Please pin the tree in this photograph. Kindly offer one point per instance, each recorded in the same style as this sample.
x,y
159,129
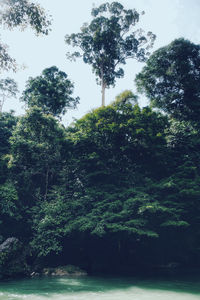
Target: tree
x,y
6,61
20,13
171,79
7,124
36,154
51,91
108,41
126,97
8,89
114,150
24,13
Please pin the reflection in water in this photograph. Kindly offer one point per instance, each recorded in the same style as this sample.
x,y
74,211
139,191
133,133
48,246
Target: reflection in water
x,y
96,288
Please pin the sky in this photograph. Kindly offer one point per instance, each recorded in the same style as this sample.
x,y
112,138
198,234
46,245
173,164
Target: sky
x,y
168,19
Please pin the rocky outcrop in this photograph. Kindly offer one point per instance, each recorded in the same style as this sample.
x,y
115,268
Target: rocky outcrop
x,y
68,270
12,258
9,245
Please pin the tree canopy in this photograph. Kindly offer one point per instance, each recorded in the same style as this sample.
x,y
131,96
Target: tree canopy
x,y
24,13
52,91
121,178
109,40
20,13
117,190
35,152
171,79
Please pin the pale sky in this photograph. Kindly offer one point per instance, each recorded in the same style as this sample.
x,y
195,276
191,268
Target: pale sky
x,y
168,19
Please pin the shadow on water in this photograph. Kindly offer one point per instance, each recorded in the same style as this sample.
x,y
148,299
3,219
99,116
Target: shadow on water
x,y
62,285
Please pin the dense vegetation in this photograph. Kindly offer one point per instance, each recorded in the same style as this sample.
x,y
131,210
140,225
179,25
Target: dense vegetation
x,y
117,190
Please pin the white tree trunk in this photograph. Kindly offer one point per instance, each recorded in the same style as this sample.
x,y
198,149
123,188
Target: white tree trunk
x,y
103,88
2,103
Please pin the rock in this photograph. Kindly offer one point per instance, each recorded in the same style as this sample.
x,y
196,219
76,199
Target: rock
x,y
12,258
34,274
68,270
9,244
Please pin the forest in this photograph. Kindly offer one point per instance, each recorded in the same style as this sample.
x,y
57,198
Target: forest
x,y
118,190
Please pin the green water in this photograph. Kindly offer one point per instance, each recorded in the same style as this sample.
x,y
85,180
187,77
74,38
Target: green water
x,y
96,288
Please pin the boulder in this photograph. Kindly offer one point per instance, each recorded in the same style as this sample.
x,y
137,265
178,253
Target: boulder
x,y
12,258
9,245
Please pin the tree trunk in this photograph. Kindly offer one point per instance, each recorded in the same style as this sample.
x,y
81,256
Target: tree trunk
x,y
103,87
2,103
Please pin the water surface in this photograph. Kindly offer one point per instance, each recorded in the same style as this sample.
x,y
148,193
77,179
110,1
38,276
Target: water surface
x,y
97,288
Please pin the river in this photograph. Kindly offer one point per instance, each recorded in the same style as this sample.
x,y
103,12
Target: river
x,y
97,288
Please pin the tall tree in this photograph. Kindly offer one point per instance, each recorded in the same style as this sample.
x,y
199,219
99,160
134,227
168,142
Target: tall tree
x,y
171,79
7,124
36,154
52,91
109,40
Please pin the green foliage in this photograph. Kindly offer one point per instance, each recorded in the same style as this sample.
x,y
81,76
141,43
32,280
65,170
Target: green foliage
x,y
9,199
127,97
121,177
97,212
51,91
20,13
23,13
131,181
109,40
36,153
7,123
171,78
10,210
8,89
6,61
9,205
118,138
112,153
